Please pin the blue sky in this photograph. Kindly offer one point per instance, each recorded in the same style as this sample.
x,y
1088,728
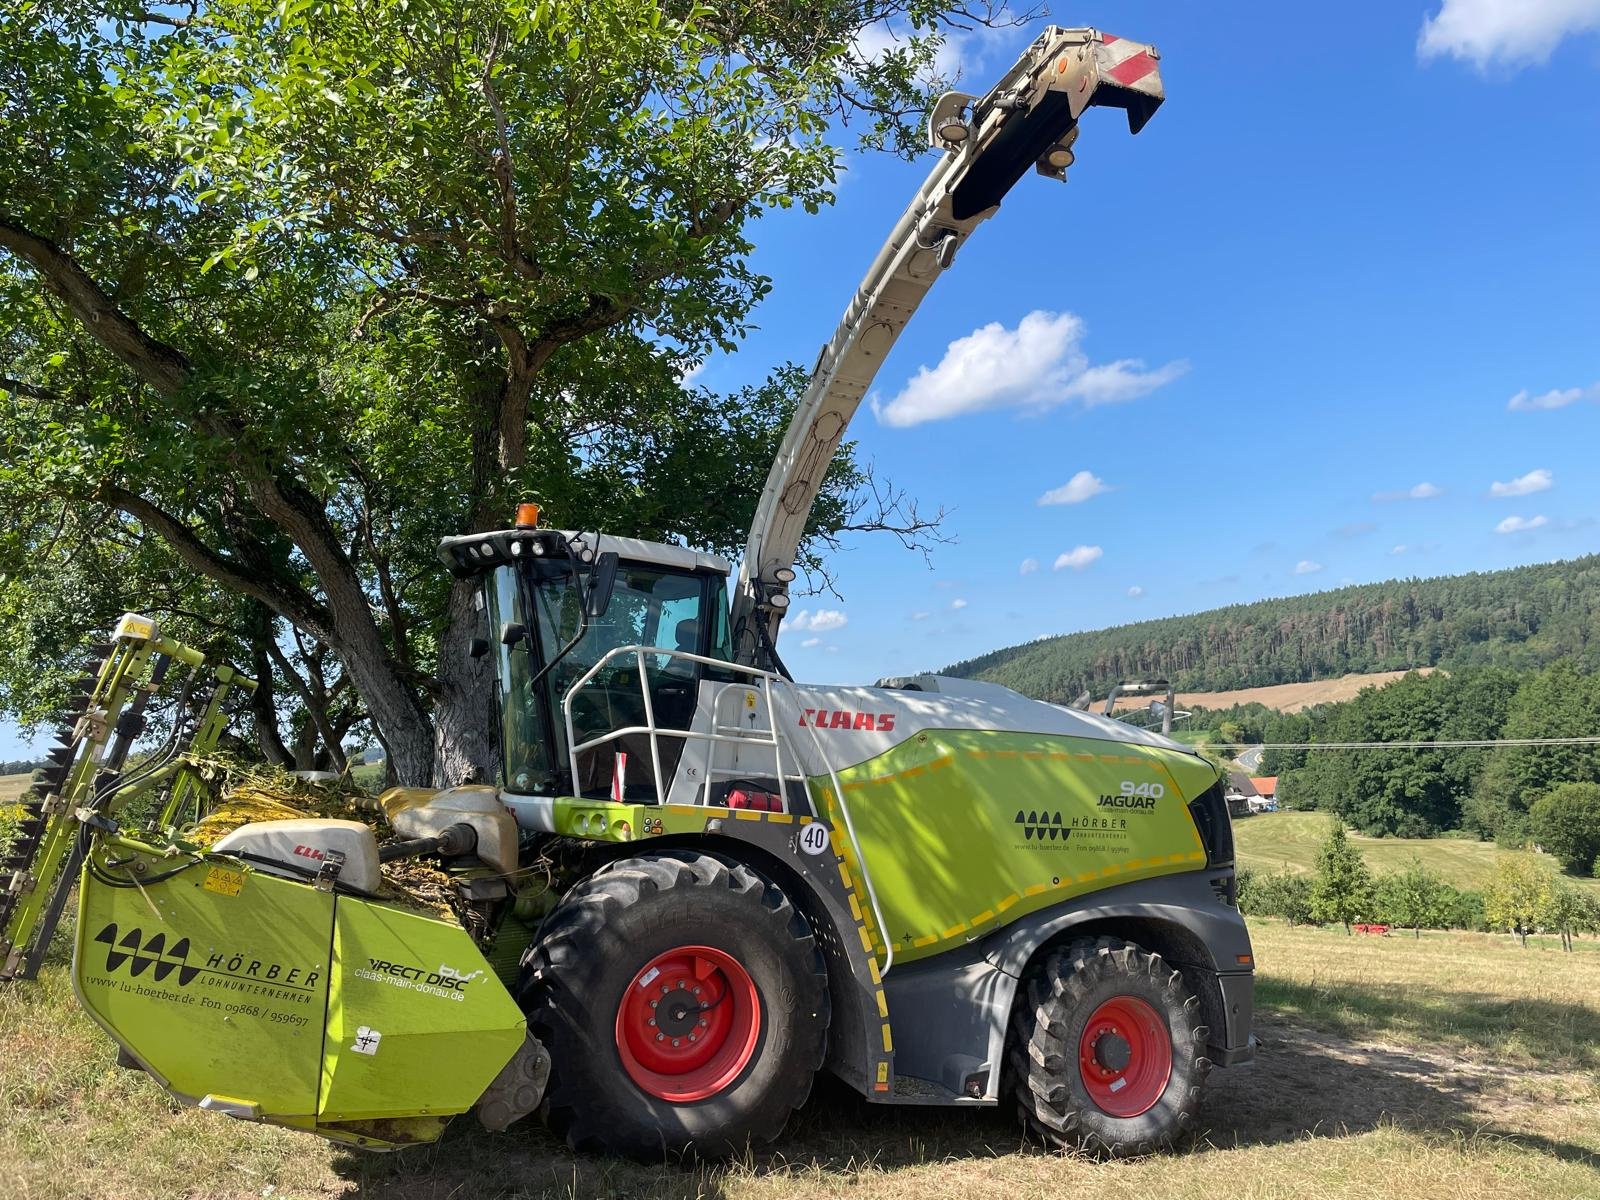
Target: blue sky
x,y
1347,246
1332,263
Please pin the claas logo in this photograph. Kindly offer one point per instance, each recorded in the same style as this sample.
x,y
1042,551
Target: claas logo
x,y
823,718
141,955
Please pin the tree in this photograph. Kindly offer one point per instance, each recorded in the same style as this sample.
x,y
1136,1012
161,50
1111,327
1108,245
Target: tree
x,y
1565,821
1414,897
1519,898
293,290
1342,888
1282,894
1566,911
1559,701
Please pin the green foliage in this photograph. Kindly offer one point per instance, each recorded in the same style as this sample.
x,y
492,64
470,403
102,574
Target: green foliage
x,y
1521,618
293,290
1566,823
1519,898
1342,888
1559,701
1283,894
1414,898
1464,909
1404,793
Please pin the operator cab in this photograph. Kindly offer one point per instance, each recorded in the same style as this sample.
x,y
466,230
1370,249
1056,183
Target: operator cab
x,y
556,603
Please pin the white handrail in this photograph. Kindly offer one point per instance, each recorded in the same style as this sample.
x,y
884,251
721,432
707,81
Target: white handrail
x,y
766,680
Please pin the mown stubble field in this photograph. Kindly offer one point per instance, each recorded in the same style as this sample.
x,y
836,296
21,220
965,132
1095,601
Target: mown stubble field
x,y
1458,1066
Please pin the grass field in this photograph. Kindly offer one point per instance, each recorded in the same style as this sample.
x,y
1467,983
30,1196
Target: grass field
x,y
1460,1066
1286,697
12,786
1289,841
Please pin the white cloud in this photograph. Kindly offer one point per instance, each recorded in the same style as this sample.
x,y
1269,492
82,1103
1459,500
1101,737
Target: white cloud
x,y
1539,480
1078,558
1135,592
687,377
1401,549
961,52
810,642
958,603
1422,491
1029,566
1306,567
1521,524
821,621
920,616
1085,485
1498,32
1524,401
1035,367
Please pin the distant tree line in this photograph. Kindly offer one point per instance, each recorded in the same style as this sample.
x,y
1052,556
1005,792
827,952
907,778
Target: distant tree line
x,y
20,766
1523,619
1547,796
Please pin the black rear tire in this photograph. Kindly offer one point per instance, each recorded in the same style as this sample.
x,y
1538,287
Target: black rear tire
x,y
591,950
1048,1030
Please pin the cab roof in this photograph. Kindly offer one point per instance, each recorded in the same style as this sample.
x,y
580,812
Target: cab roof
x,y
473,553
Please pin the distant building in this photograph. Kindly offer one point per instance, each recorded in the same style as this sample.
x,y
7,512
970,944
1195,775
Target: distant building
x,y
1241,795
1266,789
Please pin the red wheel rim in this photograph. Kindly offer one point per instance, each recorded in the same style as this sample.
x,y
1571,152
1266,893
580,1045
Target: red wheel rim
x,y
688,1024
1125,1056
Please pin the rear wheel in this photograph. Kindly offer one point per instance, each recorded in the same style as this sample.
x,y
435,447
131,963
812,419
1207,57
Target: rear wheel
x,y
684,1004
1107,1054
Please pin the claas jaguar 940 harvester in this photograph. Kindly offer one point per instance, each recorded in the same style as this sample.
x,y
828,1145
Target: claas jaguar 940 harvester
x,y
697,883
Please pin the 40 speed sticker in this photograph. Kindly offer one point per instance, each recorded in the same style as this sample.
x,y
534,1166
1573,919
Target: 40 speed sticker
x,y
814,838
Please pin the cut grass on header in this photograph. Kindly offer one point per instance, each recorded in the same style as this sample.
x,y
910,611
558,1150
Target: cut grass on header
x,y
1289,841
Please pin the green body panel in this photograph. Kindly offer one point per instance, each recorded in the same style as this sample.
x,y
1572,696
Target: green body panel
x,y
964,831
265,993
447,1025
230,1001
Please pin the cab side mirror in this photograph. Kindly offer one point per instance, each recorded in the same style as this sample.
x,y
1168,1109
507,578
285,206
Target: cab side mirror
x,y
602,581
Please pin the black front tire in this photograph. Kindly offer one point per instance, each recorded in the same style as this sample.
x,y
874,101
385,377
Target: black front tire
x,y
592,947
1059,997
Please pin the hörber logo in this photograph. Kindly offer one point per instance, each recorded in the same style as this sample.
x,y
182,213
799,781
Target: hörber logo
x,y
142,955
1046,826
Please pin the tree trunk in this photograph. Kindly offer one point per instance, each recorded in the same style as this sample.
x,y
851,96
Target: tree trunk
x,y
466,746
466,733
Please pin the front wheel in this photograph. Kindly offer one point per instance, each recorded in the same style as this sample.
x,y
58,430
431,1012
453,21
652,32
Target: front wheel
x,y
684,1003
1107,1054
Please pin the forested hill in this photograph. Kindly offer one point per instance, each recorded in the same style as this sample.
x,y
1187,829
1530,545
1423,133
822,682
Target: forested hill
x,y
1522,617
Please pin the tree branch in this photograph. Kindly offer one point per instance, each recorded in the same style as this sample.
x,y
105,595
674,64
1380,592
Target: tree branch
x,y
27,391
295,606
161,366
